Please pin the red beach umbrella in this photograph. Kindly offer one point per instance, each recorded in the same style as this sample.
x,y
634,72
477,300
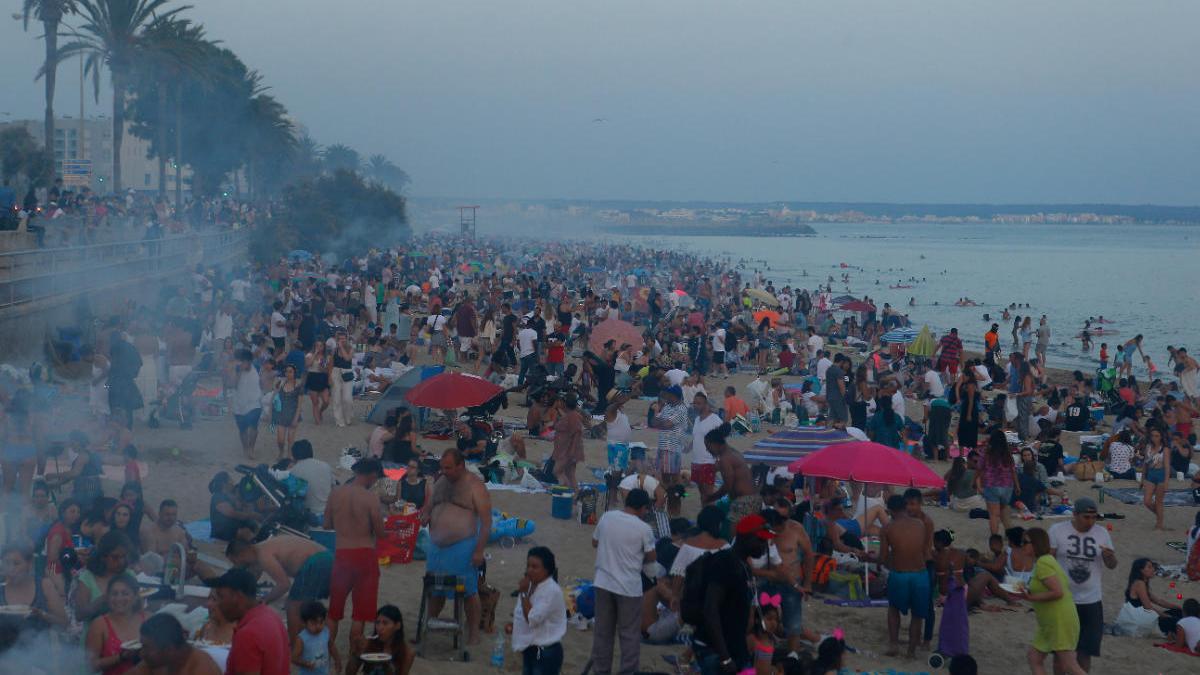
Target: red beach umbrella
x,y
867,462
614,329
452,390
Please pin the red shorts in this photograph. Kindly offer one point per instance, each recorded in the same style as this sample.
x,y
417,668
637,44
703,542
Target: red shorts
x,y
355,570
951,366
704,474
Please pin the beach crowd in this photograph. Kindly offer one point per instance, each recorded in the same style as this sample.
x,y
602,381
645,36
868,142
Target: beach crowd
x,y
695,545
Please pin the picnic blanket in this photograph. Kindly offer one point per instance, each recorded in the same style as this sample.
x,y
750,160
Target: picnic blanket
x,y
1133,495
200,530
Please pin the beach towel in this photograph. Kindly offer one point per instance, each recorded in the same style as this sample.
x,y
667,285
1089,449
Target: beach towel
x,y
1172,647
1133,495
840,602
200,530
954,631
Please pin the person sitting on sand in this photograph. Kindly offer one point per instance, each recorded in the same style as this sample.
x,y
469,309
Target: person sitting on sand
x,y
736,480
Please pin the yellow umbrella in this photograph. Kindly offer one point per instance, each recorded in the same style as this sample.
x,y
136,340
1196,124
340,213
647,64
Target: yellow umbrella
x,y
924,345
761,296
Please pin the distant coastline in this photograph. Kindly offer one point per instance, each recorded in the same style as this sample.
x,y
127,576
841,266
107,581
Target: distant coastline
x,y
722,229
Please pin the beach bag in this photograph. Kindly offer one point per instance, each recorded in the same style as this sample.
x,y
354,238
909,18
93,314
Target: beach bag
x,y
1086,470
846,585
953,631
1137,621
691,600
823,568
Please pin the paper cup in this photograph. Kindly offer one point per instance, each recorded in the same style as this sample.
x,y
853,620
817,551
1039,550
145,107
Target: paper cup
x,y
1137,475
1178,475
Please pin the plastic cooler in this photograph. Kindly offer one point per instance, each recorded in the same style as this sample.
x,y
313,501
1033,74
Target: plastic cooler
x,y
562,503
618,455
399,539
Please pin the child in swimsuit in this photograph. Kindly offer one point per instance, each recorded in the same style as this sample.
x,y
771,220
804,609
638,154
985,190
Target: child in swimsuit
x,y
761,638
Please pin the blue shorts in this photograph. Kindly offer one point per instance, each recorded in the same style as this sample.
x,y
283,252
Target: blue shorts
x,y
997,495
249,420
909,591
455,559
1156,476
792,610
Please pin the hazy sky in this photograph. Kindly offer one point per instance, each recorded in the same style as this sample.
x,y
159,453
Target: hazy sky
x,y
888,100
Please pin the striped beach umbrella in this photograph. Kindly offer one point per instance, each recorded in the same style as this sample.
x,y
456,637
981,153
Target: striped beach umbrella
x,y
792,444
903,335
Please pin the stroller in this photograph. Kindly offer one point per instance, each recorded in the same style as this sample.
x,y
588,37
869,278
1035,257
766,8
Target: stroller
x,y
176,403
284,501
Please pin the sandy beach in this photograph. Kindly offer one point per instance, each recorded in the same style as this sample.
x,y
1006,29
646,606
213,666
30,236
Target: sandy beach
x,y
998,639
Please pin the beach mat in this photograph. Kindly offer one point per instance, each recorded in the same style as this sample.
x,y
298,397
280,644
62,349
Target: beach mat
x,y
856,603
1132,495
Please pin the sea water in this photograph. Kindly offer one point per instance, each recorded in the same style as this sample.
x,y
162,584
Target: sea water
x,y
1145,278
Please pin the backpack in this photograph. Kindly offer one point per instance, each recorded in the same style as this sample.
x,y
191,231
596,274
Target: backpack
x,y
691,600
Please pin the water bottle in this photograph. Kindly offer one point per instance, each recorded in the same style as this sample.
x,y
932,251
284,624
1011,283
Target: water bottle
x,y
498,651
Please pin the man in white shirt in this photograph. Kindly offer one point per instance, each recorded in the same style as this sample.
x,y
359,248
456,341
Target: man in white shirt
x,y
823,364
318,475
1084,549
246,403
717,335
223,323
238,288
675,377
527,349
933,383
704,465
815,344
278,329
624,544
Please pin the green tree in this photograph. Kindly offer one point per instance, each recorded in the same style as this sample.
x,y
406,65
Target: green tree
x,y
24,163
50,13
170,49
270,141
110,36
340,213
386,172
339,157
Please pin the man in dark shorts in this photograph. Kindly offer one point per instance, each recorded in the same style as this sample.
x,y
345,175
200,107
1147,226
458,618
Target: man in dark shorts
x,y
299,567
1083,548
835,391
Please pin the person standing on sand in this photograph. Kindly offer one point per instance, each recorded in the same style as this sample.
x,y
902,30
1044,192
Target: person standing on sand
x,y
670,417
902,549
354,514
459,518
1057,626
1126,355
260,641
704,471
736,481
623,545
246,403
1084,549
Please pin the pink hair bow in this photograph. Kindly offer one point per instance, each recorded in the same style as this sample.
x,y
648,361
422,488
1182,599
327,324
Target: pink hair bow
x,y
766,600
839,633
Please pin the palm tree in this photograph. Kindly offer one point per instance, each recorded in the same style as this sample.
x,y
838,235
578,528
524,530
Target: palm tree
x,y
339,156
50,13
171,49
110,36
385,171
270,139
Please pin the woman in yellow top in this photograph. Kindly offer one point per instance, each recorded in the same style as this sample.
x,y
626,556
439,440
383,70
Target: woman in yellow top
x,y
1057,619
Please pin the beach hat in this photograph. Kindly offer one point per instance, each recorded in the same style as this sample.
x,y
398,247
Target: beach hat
x,y
754,524
675,390
1086,505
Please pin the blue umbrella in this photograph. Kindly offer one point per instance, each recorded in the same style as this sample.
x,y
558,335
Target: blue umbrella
x,y
787,446
900,335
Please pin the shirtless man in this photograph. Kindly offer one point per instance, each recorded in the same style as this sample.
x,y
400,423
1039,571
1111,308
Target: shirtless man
x,y
735,476
796,553
460,520
354,514
160,535
912,506
300,568
902,551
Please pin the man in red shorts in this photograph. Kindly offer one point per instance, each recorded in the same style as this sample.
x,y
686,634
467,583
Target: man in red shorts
x,y
950,348
354,514
704,466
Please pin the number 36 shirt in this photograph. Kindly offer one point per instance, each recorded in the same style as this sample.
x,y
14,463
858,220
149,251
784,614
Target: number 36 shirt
x,y
1079,554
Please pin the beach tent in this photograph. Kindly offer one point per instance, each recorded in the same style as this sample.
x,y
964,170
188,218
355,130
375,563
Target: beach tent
x,y
789,445
924,345
394,397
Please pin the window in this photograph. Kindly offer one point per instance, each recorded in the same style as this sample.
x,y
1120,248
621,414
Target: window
x,y
147,181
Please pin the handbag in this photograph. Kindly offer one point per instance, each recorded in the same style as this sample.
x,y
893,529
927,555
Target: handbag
x,y
347,376
1086,470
